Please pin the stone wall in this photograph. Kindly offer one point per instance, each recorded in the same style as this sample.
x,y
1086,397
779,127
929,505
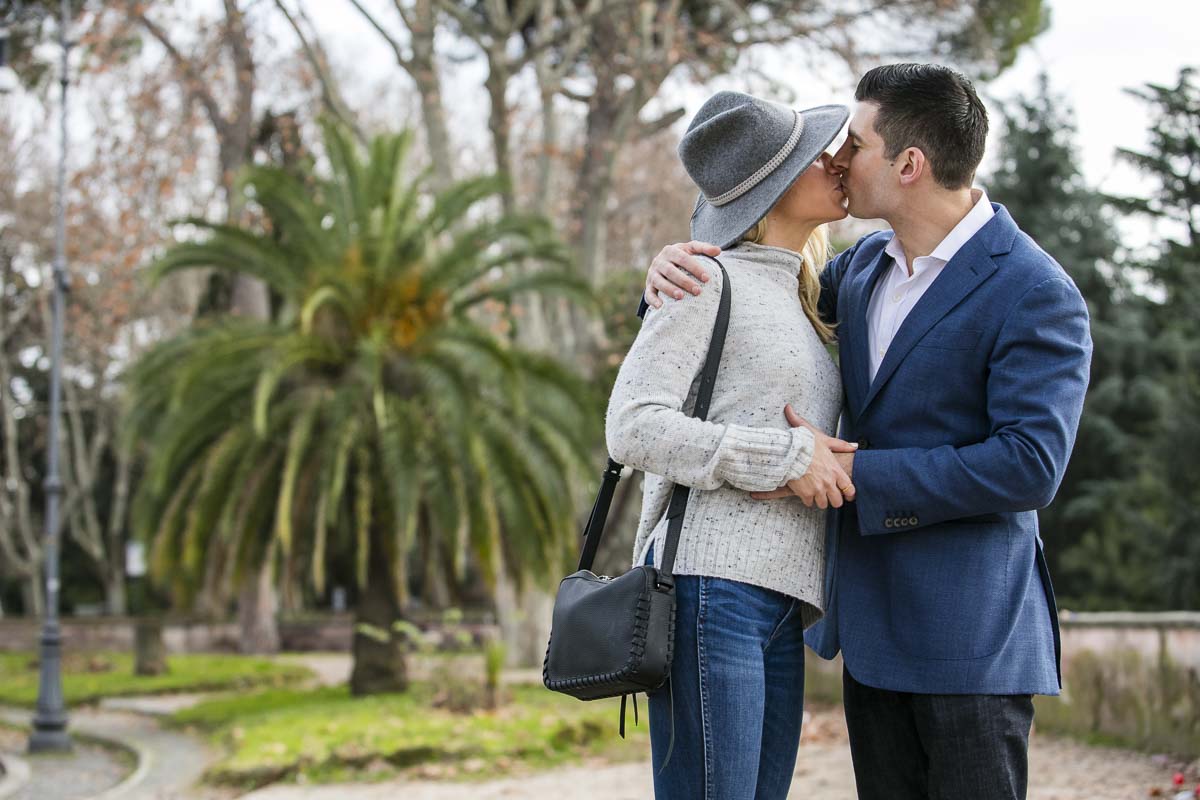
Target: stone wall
x,y
1128,678
1173,633
318,633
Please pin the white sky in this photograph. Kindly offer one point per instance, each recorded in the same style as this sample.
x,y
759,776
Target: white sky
x,y
1095,49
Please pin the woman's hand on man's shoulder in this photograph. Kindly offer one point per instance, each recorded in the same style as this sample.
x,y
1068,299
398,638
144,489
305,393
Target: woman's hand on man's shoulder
x,y
678,268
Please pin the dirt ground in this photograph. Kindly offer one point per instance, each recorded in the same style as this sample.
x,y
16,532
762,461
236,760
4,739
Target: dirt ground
x,y
1060,769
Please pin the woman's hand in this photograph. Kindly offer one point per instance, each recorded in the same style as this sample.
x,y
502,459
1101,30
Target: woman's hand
x,y
825,484
669,271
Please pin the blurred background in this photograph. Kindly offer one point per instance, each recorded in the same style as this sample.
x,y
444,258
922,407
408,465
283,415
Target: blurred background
x,y
346,285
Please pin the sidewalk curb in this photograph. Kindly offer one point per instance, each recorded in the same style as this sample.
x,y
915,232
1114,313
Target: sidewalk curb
x,y
16,774
142,758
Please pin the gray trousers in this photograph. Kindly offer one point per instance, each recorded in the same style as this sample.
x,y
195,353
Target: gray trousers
x,y
937,746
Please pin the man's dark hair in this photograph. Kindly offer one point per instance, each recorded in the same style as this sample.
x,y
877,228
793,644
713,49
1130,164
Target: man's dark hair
x,y
932,108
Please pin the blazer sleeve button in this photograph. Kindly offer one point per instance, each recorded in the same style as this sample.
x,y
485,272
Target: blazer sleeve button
x,y
912,520
887,523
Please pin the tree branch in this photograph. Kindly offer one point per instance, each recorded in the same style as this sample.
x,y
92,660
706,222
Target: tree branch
x,y
665,121
243,60
317,60
192,79
401,59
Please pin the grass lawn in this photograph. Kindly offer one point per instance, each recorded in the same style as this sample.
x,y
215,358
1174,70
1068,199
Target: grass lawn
x,y
88,677
325,735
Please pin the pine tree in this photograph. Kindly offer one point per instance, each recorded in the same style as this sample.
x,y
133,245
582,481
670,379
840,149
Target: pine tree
x,y
1172,162
1039,181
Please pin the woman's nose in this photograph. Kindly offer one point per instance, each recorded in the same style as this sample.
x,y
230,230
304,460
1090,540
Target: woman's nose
x,y
826,160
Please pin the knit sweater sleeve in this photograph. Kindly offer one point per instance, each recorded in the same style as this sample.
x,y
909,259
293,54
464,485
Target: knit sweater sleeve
x,y
646,427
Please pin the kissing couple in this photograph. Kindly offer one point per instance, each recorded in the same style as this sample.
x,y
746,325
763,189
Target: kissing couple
x,y
909,540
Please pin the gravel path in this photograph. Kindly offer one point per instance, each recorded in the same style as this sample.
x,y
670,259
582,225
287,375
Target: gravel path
x,y
170,763
85,772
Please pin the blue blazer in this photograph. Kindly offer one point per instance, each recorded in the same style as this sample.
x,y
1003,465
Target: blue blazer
x,y
935,580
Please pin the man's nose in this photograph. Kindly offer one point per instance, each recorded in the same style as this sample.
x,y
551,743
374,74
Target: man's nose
x,y
840,160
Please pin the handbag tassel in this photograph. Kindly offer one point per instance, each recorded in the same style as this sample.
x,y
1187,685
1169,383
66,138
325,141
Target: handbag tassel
x,y
635,713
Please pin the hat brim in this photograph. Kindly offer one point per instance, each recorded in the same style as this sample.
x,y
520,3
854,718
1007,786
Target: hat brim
x,y
724,225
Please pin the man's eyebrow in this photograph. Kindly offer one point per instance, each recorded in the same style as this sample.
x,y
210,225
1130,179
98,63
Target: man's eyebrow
x,y
850,132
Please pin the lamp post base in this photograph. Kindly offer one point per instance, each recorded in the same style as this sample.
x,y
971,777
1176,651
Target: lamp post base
x,y
49,734
49,738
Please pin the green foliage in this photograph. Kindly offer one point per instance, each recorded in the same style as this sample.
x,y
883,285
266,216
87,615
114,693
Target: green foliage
x,y
1170,498
988,40
1117,534
88,677
325,735
382,404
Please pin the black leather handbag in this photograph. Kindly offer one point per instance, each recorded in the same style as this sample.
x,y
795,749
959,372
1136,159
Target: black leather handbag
x,y
613,637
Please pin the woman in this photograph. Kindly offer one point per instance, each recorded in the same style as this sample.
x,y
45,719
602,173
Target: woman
x,y
749,574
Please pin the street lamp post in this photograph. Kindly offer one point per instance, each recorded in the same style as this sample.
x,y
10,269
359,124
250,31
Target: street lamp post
x,y
50,720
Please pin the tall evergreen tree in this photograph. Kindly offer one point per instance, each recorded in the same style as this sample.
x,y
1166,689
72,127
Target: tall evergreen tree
x,y
1040,182
1171,486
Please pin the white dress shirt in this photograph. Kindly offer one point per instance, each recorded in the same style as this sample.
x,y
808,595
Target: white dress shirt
x,y
897,292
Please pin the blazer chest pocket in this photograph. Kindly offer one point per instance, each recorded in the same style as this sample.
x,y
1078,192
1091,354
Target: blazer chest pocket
x,y
951,338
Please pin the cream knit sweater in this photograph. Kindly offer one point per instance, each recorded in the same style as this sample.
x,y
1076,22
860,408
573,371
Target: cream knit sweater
x,y
772,356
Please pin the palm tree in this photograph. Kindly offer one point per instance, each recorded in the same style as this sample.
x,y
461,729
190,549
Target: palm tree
x,y
379,413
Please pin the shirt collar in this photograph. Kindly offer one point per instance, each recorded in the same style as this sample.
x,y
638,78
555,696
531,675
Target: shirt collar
x,y
959,235
967,227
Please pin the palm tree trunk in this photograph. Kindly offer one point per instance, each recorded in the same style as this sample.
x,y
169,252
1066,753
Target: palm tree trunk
x,y
378,650
257,608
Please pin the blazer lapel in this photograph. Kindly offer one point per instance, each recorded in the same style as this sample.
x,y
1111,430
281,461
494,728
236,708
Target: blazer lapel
x,y
857,372
969,267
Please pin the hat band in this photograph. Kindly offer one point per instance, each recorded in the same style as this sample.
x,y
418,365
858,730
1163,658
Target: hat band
x,y
766,169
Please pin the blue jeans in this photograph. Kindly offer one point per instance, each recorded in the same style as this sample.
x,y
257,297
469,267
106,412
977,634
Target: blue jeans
x,y
736,694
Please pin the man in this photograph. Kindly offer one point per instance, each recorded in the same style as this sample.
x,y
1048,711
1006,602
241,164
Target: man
x,y
964,354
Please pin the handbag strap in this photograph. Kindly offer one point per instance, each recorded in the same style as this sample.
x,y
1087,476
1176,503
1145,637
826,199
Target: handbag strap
x,y
679,495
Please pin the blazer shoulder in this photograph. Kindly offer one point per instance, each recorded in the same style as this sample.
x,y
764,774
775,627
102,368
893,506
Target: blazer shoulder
x,y
1028,266
861,252
873,242
1033,263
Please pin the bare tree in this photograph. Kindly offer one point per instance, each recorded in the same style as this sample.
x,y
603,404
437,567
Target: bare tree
x,y
416,55
233,122
20,543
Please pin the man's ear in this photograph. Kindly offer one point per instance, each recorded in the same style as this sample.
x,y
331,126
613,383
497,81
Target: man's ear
x,y
912,165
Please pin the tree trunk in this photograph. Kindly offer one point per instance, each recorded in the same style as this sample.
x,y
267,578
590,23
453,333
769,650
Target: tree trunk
x,y
524,619
257,609
116,593
33,594
378,650
149,649
116,602
499,125
423,68
606,130
435,589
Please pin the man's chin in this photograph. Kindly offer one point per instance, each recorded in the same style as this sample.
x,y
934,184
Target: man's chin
x,y
856,211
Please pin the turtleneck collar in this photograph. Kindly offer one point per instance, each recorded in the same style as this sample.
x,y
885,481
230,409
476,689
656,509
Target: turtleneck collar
x,y
779,258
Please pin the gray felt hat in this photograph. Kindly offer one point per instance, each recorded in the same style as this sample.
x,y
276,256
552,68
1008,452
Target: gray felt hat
x,y
744,153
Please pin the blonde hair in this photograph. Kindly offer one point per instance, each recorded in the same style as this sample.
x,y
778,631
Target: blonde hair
x,y
814,253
